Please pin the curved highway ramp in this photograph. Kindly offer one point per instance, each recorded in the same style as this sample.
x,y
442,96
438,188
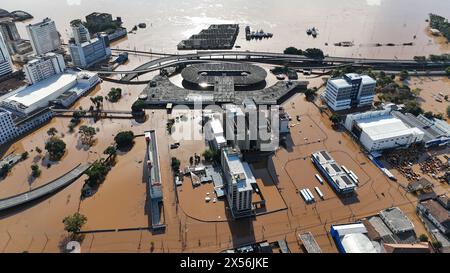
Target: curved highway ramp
x,y
44,190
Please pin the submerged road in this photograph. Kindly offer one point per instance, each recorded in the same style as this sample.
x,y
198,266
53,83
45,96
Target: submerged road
x,y
51,187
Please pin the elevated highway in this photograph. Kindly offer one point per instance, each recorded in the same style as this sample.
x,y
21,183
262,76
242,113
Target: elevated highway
x,y
268,57
51,187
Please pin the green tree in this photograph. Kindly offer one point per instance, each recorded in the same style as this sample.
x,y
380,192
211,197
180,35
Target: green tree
x,y
314,53
78,114
52,131
335,119
124,139
55,148
413,107
114,95
423,238
97,172
38,150
4,170
447,71
138,106
24,155
429,114
310,93
87,134
404,75
293,51
208,154
111,150
436,244
175,164
448,111
74,223
97,102
35,171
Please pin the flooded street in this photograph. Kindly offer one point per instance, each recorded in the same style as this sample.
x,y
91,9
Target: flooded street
x,y
121,203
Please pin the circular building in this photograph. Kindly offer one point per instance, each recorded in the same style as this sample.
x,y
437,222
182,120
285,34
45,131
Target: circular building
x,y
241,75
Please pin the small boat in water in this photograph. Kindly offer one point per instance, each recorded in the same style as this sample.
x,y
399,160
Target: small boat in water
x,y
142,25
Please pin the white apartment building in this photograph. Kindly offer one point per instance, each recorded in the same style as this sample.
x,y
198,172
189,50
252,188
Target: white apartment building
x,y
5,59
43,36
43,67
239,180
350,91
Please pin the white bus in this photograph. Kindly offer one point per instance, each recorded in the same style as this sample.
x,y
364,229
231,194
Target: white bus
x,y
310,194
356,177
345,169
305,196
319,178
308,198
319,192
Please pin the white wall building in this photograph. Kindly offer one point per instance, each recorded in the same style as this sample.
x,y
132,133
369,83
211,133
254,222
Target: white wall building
x,y
90,53
7,127
239,180
27,100
379,130
43,36
215,134
43,67
5,59
80,32
352,90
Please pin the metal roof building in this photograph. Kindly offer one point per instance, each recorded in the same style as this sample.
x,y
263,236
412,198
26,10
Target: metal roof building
x,y
436,132
380,130
334,174
396,220
154,180
352,238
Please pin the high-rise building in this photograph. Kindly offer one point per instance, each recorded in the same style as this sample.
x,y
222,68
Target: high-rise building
x,y
89,53
43,36
43,67
350,91
7,127
239,180
5,59
80,32
9,30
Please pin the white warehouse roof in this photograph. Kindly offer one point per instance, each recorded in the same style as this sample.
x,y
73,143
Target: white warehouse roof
x,y
42,92
384,127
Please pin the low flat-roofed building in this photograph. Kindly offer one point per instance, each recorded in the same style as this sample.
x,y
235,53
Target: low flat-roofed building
x,y
419,185
396,220
32,97
436,213
379,130
334,174
28,107
407,248
444,200
154,181
436,131
309,243
352,238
